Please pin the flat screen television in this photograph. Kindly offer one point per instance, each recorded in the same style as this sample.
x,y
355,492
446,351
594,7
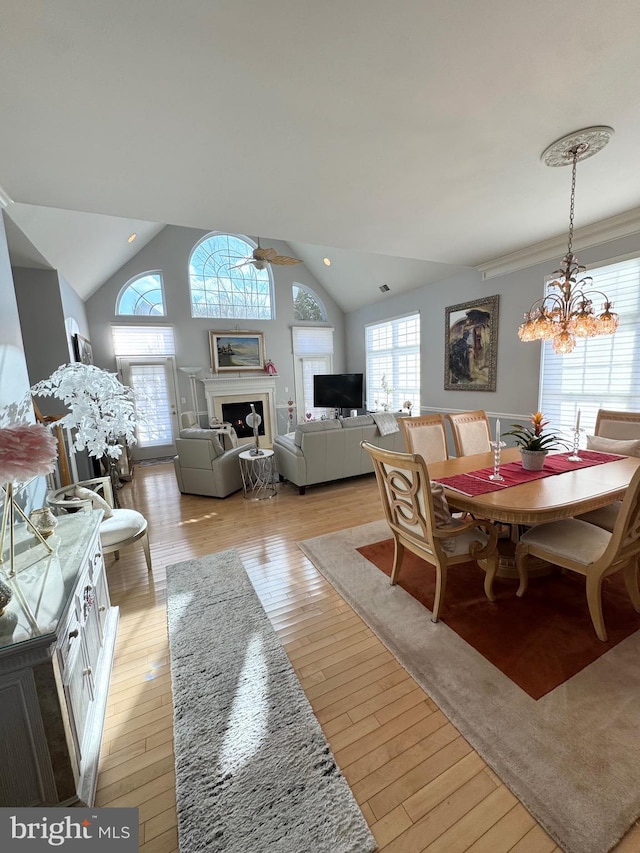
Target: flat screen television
x,y
338,390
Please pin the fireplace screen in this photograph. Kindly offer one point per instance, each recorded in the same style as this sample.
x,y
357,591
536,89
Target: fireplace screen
x,y
236,413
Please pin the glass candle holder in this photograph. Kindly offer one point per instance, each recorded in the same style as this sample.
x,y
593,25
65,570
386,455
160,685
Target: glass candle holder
x,y
497,447
575,455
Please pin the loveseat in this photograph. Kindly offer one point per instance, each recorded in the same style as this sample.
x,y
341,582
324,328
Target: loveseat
x,y
203,466
321,451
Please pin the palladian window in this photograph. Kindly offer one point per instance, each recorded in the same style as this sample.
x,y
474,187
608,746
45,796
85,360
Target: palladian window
x,y
224,282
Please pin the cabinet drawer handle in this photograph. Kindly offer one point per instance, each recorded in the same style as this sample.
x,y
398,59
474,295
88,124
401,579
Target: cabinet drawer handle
x,y
87,671
102,608
73,634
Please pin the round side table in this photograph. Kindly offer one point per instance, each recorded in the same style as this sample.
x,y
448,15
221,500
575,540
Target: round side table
x,y
258,475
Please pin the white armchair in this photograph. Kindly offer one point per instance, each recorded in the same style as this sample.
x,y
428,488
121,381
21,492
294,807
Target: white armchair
x,y
119,527
207,462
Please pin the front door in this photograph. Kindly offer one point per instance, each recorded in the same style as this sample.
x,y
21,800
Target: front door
x,y
153,382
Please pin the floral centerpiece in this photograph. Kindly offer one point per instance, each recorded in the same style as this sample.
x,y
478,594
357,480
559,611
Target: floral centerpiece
x,y
534,440
534,437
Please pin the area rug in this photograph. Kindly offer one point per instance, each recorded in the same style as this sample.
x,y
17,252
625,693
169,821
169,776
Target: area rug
x,y
551,637
571,757
254,771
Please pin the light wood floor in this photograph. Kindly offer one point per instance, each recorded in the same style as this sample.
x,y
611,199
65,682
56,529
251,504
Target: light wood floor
x,y
419,783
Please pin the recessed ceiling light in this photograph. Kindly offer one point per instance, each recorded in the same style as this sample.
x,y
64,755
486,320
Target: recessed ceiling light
x,y
327,262
131,238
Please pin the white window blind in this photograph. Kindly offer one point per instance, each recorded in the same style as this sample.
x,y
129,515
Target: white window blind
x,y
602,372
313,351
312,340
143,340
393,353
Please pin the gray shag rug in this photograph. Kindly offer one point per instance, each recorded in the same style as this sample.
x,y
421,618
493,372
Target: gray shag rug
x,y
572,757
254,771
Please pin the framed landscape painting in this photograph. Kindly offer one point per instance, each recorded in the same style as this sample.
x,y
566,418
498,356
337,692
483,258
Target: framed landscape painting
x,y
82,349
471,345
236,351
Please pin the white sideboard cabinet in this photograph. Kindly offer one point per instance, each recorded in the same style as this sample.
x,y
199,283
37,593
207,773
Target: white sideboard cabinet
x,y
57,637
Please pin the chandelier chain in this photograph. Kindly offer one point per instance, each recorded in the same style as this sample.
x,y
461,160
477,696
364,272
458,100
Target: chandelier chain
x,y
573,199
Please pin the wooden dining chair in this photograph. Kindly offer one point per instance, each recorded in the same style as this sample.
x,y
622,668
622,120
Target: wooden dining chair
x,y
615,432
591,551
471,432
417,513
617,425
426,435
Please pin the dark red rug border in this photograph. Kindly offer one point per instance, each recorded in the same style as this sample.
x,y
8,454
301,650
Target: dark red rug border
x,y
538,641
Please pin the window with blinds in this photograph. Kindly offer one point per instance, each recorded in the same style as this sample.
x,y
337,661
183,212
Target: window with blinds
x,y
602,372
393,363
153,407
313,354
143,340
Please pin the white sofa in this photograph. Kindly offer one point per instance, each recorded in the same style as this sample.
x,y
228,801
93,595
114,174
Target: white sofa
x,y
322,451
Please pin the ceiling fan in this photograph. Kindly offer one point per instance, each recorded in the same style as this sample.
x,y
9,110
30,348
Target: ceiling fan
x,y
261,257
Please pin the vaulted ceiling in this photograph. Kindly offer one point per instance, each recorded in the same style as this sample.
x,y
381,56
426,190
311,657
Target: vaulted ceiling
x,y
409,130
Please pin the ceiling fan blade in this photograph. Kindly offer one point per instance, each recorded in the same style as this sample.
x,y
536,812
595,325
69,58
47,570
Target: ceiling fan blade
x,y
285,260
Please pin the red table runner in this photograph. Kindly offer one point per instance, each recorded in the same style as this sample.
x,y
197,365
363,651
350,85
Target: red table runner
x,y
478,482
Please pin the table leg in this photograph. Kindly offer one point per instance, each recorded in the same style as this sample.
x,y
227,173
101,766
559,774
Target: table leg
x,y
507,561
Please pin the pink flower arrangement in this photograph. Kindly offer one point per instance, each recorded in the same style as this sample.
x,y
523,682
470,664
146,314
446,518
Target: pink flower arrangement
x,y
26,450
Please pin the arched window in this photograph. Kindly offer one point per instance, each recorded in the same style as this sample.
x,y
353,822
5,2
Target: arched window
x,y
225,284
307,304
142,295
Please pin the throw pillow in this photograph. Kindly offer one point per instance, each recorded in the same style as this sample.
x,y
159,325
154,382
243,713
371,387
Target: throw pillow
x,y
357,421
613,445
97,501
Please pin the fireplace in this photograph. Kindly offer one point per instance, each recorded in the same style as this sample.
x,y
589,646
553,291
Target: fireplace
x,y
236,414
241,390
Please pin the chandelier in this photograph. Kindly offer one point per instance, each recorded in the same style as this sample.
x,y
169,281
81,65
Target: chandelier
x,y
566,312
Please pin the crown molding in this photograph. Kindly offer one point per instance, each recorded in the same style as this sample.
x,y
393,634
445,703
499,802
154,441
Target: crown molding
x,y
621,225
5,199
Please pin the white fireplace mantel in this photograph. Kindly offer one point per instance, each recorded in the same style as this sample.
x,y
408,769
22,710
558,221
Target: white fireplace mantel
x,y
239,388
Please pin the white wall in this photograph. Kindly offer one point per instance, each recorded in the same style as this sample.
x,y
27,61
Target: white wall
x,y
14,378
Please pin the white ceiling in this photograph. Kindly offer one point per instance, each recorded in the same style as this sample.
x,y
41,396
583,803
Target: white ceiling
x,y
411,130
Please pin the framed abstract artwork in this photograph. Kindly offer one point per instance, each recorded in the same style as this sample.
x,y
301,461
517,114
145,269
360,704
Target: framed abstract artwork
x,y
471,345
232,351
82,349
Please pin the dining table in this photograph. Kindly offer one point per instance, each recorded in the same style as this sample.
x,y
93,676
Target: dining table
x,y
562,495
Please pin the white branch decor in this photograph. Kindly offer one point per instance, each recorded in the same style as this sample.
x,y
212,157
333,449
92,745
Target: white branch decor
x,y
102,409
